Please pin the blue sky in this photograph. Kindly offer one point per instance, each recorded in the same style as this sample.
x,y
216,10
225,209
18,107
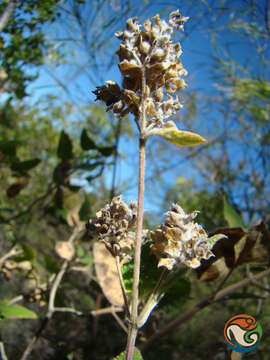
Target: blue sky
x,y
75,79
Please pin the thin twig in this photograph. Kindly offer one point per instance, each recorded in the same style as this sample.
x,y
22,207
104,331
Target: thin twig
x,y
96,318
2,352
69,310
266,15
30,207
254,282
15,300
122,285
51,308
120,322
220,286
7,14
201,305
107,310
12,252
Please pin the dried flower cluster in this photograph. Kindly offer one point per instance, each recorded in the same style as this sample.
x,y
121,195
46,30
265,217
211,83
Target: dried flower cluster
x,y
112,224
151,68
180,240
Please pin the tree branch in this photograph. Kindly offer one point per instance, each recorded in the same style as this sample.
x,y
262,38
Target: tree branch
x,y
266,15
30,207
206,302
7,14
51,308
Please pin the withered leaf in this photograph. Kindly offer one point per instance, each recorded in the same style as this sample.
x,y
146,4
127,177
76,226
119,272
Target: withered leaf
x,y
17,186
64,249
240,247
107,274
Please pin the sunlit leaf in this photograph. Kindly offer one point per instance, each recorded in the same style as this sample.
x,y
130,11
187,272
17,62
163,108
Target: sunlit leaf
x,y
177,137
136,356
15,311
231,216
213,239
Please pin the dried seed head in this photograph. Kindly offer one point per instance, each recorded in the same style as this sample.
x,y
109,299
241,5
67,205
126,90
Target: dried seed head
x,y
112,225
109,93
180,240
150,51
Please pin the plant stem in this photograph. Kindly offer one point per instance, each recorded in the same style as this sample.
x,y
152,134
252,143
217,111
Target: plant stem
x,y
122,285
133,327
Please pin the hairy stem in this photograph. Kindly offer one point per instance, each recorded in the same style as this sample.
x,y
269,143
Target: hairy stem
x,y
133,328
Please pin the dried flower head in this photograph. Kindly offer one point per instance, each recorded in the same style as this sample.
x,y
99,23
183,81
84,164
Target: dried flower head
x,y
112,225
151,68
180,240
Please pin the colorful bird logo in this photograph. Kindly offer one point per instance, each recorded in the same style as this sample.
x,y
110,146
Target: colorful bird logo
x,y
242,333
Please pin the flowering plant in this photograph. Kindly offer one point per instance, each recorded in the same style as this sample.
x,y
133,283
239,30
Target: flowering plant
x,y
152,73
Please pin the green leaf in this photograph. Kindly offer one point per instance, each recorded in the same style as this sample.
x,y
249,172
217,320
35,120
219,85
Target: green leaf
x,y
51,264
106,150
22,166
27,255
90,167
15,311
8,147
80,251
177,292
231,215
177,137
149,275
64,150
86,142
88,260
85,210
74,188
136,356
213,239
